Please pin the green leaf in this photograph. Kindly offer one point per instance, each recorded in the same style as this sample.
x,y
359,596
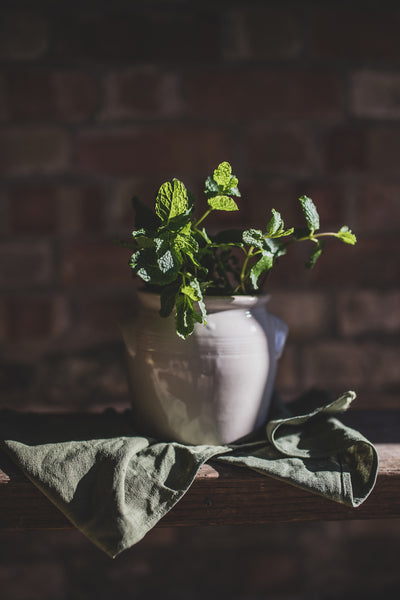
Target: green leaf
x,y
145,264
144,216
169,261
172,200
253,237
211,187
222,203
185,242
189,291
143,238
275,224
346,235
168,299
234,191
195,285
222,182
223,176
310,213
315,255
178,222
185,316
262,266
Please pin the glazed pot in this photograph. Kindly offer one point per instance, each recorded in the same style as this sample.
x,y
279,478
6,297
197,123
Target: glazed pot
x,y
212,388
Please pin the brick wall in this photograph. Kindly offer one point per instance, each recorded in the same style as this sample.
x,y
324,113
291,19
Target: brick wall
x,y
103,100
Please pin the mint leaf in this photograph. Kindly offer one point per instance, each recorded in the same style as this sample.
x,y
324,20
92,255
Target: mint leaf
x,y
171,200
223,176
168,298
222,182
275,225
185,241
185,316
169,261
222,203
143,238
195,285
263,265
346,235
310,213
144,216
315,255
146,265
189,291
234,191
253,237
211,187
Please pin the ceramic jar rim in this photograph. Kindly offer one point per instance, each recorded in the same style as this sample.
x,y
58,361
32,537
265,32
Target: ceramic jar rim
x,y
152,300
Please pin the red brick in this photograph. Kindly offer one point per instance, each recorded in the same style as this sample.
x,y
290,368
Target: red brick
x,y
278,149
346,149
371,262
92,209
25,264
97,318
253,93
32,317
330,200
23,36
48,95
4,213
3,320
358,149
369,311
32,210
120,213
53,208
375,94
265,33
259,196
289,270
287,375
77,95
89,263
358,34
347,365
31,151
181,36
141,92
80,208
384,149
378,208
3,103
307,313
167,150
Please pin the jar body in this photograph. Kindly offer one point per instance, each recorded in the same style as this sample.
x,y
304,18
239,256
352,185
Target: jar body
x,y
212,388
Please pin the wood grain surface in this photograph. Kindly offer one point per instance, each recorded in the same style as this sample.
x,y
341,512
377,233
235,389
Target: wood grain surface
x,y
223,495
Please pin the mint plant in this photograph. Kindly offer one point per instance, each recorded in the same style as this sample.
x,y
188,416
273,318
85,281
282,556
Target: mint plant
x,y
176,257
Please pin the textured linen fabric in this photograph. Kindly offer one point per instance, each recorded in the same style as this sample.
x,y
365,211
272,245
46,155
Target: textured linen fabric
x,y
115,485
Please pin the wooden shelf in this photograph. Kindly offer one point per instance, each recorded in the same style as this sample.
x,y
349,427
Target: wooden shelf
x,y
224,495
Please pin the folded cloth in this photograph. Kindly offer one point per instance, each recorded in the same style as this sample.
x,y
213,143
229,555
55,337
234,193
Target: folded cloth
x,y
115,485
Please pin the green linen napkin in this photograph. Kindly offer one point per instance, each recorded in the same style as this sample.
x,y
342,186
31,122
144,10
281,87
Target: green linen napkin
x,y
115,485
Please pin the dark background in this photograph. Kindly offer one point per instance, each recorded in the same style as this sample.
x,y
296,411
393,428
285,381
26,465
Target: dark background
x,y
103,100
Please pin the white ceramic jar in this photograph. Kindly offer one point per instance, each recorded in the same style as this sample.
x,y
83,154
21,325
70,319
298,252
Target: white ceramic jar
x,y
212,388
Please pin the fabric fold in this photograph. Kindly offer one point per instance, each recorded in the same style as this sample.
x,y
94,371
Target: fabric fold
x,y
115,485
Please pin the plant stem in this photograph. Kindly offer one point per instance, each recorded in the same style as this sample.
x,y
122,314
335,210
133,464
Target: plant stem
x,y
243,274
203,217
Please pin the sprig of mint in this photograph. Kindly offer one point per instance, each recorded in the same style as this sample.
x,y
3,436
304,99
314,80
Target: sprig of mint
x,y
176,257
